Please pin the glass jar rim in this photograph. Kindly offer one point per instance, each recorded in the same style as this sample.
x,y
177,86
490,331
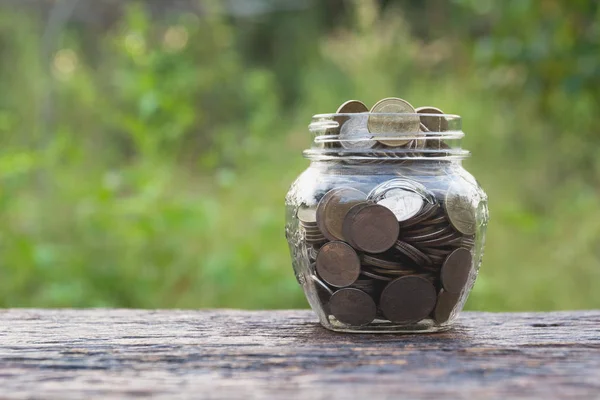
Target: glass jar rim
x,y
329,115
387,137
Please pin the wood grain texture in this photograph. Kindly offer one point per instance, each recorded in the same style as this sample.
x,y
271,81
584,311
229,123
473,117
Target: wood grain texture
x,y
225,354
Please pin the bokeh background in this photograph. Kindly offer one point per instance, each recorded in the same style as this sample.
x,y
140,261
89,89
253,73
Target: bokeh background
x,y
146,146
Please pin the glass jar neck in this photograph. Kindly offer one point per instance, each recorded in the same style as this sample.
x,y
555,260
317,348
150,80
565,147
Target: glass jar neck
x,y
375,167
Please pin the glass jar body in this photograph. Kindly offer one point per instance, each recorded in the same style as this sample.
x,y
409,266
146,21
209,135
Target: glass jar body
x,y
433,234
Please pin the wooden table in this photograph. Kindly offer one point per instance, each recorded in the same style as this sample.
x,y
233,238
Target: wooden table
x,y
225,354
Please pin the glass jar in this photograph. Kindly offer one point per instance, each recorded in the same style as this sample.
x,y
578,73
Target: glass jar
x,y
386,229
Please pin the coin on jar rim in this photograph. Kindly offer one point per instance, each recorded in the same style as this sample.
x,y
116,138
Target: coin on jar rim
x,y
455,270
371,228
433,123
348,107
446,302
354,134
352,107
460,210
353,307
332,209
392,125
338,264
408,299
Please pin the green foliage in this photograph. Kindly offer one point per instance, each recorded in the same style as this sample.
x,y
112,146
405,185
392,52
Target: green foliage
x,y
147,166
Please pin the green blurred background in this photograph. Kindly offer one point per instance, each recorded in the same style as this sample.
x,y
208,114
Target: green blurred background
x,y
147,146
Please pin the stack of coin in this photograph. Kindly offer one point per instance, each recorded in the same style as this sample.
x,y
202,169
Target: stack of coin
x,y
391,123
308,223
401,253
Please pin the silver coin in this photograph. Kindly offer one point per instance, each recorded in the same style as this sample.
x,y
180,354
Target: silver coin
x,y
461,211
403,197
355,135
307,215
404,204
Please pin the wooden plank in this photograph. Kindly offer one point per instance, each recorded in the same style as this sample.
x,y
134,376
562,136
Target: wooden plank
x,y
228,354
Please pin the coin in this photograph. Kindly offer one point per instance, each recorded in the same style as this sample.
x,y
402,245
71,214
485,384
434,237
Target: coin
x,y
438,252
403,203
446,240
435,233
456,269
371,228
354,134
307,215
371,274
396,272
381,263
333,208
353,307
393,124
408,299
338,264
349,107
427,211
437,220
433,123
413,253
460,210
445,305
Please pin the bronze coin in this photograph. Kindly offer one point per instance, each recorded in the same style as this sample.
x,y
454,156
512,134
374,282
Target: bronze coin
x,y
382,263
420,230
408,299
436,144
347,226
393,272
413,253
435,122
437,260
467,242
371,274
435,233
349,107
353,307
445,305
332,209
446,240
443,252
338,264
440,219
371,228
456,269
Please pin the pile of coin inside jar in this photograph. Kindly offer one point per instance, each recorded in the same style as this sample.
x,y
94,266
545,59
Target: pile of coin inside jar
x,y
403,251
